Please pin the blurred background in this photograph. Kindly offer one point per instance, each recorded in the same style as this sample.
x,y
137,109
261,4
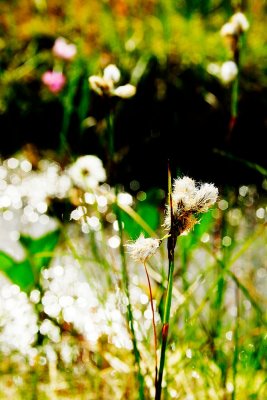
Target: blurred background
x,y
182,87
181,111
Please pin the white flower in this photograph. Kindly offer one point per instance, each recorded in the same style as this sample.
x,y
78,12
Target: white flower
x,y
87,172
105,85
189,199
143,248
100,85
125,91
240,21
229,29
112,73
229,71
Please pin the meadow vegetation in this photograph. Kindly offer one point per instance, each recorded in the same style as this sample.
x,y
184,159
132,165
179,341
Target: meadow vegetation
x,y
123,274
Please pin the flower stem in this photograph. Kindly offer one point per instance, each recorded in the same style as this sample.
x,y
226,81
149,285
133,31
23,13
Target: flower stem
x,y
172,239
110,130
154,325
166,316
234,103
125,280
236,336
110,148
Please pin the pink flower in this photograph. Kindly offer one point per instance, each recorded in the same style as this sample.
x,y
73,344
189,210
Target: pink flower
x,y
63,49
55,81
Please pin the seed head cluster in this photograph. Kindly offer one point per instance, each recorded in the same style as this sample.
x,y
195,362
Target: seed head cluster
x,y
143,248
188,200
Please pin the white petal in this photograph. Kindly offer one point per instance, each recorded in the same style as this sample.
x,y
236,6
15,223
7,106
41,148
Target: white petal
x,y
125,91
112,73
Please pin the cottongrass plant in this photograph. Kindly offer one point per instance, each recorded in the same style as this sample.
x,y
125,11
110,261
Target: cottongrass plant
x,y
141,250
186,200
233,33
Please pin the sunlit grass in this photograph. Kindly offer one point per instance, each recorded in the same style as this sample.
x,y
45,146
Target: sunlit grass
x,y
79,318
81,344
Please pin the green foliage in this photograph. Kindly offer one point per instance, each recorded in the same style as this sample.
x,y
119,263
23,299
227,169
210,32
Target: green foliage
x,y
189,242
26,273
40,250
148,210
218,345
20,273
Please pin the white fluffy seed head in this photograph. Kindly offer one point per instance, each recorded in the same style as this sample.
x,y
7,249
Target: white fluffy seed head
x,y
143,248
240,21
184,190
206,196
189,198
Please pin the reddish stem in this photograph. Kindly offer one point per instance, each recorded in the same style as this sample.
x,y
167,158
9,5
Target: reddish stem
x,y
154,324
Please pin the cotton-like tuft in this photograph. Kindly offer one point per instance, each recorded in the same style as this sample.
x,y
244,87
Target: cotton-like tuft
x,y
143,248
188,200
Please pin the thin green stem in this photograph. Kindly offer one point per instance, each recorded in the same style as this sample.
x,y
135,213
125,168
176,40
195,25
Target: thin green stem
x,y
235,87
236,336
234,103
172,239
154,325
125,280
166,317
110,147
110,132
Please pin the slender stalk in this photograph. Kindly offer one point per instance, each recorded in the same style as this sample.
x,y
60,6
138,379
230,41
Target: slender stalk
x,y
110,132
154,325
68,107
234,101
235,87
125,280
236,336
172,239
110,148
166,317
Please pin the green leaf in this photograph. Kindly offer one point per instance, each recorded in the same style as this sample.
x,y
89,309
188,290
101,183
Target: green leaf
x,y
20,273
38,248
191,240
6,261
148,212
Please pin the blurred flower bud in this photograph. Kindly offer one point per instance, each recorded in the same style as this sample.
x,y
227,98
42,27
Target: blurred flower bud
x,y
229,71
112,73
55,81
228,29
240,21
63,49
125,91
